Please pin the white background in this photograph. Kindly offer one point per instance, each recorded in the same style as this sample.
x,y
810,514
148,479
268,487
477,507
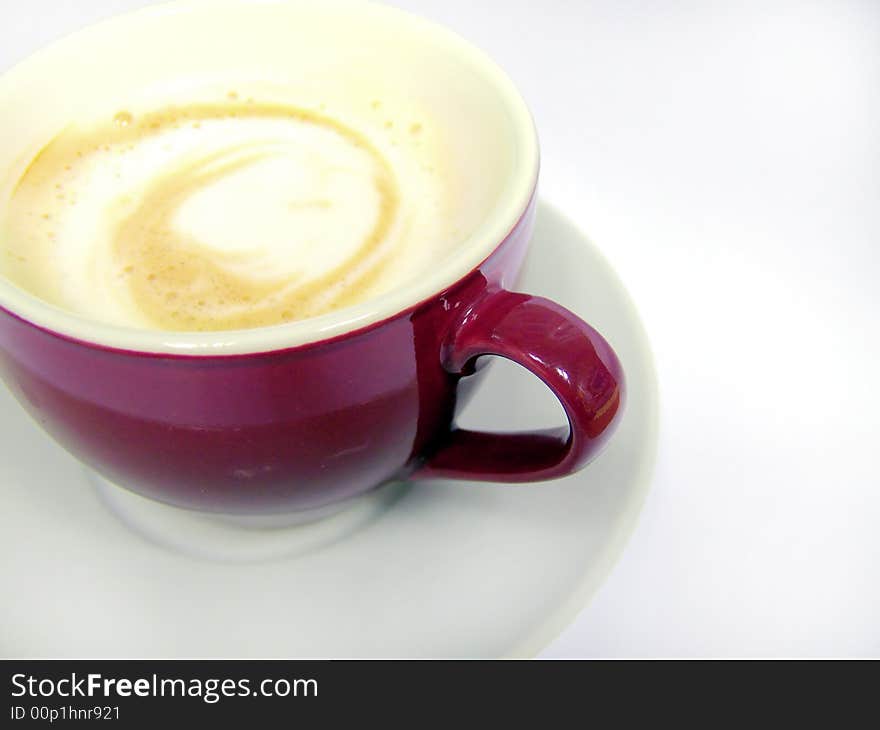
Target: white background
x,y
726,157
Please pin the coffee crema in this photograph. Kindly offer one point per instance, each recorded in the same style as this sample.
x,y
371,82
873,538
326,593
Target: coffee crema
x,y
221,215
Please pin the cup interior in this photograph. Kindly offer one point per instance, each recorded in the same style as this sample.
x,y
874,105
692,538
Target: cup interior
x,y
340,56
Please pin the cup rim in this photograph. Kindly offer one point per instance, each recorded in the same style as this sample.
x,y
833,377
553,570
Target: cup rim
x,y
469,254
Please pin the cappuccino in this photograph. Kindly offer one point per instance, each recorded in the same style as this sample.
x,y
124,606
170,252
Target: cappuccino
x,y
228,213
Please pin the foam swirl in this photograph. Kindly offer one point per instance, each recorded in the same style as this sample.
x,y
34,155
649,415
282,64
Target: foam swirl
x,y
179,280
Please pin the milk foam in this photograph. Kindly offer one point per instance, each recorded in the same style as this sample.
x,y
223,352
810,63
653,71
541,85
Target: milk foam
x,y
226,215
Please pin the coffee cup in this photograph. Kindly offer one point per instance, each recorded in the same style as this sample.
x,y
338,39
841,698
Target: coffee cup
x,y
369,179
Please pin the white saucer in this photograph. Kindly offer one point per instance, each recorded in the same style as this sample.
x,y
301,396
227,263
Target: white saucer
x,y
441,569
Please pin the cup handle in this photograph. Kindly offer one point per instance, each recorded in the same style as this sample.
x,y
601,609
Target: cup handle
x,y
566,353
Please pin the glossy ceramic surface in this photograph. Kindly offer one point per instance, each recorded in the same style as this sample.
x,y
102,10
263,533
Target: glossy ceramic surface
x,y
301,416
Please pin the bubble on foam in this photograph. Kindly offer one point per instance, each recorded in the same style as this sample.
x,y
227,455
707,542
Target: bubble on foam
x,y
123,118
